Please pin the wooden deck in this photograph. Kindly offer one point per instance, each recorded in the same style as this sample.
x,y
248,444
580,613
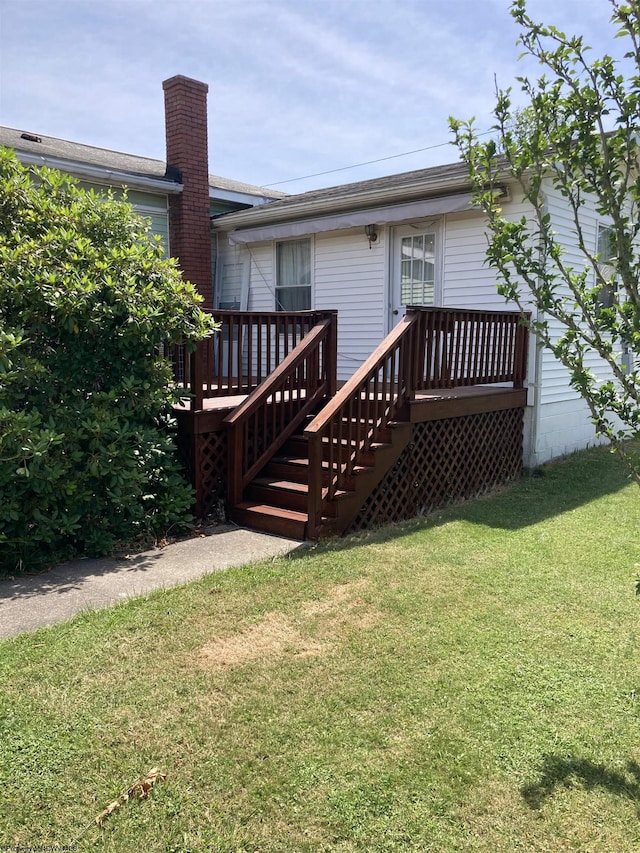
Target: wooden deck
x,y
434,415
459,402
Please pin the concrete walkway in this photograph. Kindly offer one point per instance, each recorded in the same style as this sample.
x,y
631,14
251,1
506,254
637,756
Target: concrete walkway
x,y
28,602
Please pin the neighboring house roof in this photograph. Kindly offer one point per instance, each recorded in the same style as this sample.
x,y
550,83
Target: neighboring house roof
x,y
104,166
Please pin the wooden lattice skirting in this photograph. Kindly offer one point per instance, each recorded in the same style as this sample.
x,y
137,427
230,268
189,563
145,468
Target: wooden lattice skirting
x,y
204,456
445,462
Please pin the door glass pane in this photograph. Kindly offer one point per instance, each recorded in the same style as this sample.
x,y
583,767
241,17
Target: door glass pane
x,y
417,269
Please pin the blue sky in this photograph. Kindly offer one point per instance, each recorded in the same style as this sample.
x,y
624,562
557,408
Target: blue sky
x,y
296,87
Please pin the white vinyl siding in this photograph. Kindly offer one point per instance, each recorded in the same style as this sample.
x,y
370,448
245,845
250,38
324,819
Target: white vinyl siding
x,y
231,286
468,280
555,377
564,420
262,285
158,226
350,277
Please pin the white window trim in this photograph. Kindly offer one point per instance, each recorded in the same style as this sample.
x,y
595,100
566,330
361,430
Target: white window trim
x,y
312,268
435,226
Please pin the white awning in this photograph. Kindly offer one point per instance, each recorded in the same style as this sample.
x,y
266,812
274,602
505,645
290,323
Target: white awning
x,y
355,219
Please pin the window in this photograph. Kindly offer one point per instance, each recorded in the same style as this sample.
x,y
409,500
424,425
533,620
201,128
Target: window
x,y
417,269
158,226
293,275
606,266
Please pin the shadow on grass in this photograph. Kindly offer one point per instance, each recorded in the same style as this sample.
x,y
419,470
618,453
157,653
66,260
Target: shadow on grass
x,y
549,491
557,772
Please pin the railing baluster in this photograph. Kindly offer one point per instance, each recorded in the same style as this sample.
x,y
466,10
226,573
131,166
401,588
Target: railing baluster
x,y
475,338
245,350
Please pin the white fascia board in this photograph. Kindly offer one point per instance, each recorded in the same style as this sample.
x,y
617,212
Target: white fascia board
x,y
101,174
354,219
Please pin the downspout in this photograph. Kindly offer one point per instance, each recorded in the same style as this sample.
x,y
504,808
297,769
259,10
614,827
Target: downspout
x,y
534,396
389,236
534,387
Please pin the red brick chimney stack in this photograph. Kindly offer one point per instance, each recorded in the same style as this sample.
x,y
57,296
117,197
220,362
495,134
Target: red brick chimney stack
x,y
185,103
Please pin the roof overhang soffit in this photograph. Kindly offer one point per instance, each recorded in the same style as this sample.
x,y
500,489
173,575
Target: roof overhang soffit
x,y
354,219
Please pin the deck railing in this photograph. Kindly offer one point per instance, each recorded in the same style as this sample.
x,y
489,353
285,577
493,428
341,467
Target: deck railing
x,y
272,412
429,348
248,348
469,347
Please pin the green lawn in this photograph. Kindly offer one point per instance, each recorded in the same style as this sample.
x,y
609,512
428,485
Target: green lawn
x,y
466,683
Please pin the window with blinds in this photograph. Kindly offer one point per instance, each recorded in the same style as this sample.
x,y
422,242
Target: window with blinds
x,y
418,269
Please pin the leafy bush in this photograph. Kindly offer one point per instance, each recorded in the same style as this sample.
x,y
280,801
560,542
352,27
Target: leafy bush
x,y
86,299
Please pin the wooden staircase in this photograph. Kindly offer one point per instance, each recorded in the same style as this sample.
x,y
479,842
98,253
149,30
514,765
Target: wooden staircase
x,y
313,480
277,500
302,457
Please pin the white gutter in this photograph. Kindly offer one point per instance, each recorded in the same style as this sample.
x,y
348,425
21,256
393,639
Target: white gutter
x,y
100,173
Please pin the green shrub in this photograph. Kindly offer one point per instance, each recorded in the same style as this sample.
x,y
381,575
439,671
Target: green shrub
x,y
86,298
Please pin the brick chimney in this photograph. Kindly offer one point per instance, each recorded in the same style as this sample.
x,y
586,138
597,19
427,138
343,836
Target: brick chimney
x,y
185,103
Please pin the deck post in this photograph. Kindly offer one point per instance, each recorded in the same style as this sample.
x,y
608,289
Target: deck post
x,y
314,493
332,355
234,485
520,356
197,377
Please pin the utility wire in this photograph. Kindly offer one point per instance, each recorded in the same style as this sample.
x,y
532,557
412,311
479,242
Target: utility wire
x,y
366,163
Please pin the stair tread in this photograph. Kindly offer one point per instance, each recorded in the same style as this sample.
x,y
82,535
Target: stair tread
x,y
267,509
280,483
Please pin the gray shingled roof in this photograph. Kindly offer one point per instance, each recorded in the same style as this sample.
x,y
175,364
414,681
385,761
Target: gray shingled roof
x,y
406,186
422,178
75,152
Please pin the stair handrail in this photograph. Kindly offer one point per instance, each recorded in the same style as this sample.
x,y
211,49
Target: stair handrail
x,y
383,384
312,364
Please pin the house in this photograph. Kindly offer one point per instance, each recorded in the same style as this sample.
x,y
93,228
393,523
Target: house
x,y
178,196
371,248
366,369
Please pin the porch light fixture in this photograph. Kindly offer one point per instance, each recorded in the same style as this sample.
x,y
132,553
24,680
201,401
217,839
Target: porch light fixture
x,y
371,232
502,194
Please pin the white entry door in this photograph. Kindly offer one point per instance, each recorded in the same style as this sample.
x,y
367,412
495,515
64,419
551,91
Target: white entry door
x,y
415,269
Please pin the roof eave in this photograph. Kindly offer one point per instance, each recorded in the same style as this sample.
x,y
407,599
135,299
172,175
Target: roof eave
x,y
101,174
358,200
